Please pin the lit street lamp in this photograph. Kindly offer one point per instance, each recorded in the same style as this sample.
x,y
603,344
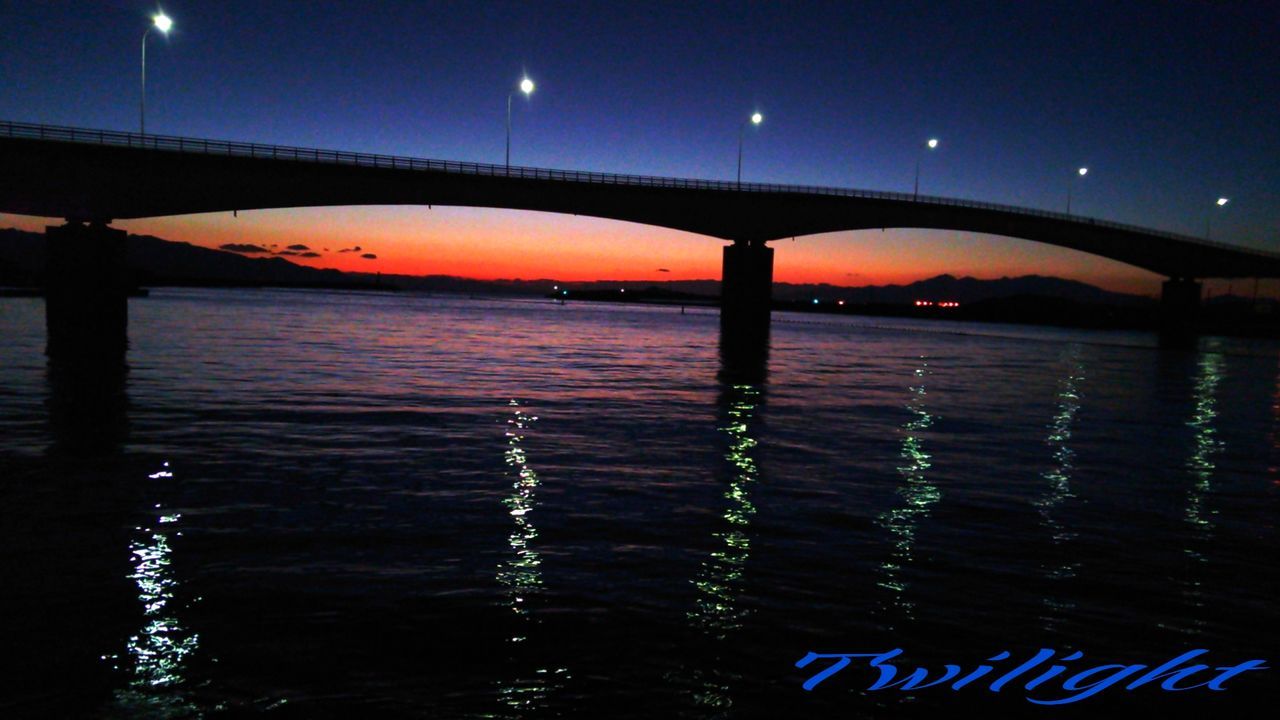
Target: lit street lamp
x,y
162,23
1070,185
932,144
526,87
756,119
1208,219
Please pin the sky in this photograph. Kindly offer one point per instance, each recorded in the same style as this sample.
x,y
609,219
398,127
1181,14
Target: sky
x,y
1170,105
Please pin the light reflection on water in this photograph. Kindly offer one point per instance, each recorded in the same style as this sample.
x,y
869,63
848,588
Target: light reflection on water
x,y
719,613
365,549
521,574
720,578
156,658
1058,479
916,492
1206,445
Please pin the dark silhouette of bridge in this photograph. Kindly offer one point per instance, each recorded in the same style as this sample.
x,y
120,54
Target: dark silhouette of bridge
x,y
97,176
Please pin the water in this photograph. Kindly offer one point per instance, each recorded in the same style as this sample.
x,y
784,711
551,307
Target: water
x,y
307,504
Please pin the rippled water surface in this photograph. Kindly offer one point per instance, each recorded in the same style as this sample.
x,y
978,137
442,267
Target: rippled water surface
x,y
307,504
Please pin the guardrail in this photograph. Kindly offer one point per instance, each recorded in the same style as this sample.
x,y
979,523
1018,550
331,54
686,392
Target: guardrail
x,y
171,143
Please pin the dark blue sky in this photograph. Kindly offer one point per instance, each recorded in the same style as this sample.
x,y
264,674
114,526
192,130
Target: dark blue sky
x,y
1170,104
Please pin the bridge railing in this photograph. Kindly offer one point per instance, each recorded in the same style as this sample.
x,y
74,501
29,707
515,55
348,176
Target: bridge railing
x,y
171,143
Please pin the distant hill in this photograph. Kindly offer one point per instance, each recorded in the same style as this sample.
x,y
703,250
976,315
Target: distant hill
x,y
162,262
159,262
966,290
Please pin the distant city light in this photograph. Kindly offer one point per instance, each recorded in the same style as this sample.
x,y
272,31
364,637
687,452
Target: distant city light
x,y
1083,171
526,86
1223,201
933,143
931,303
840,302
757,118
163,23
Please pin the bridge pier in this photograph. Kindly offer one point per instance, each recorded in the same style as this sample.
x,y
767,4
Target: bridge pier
x,y
1179,311
86,294
746,298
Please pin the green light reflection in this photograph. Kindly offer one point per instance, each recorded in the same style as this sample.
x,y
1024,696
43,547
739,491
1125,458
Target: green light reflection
x,y
719,579
717,611
156,658
1206,446
917,492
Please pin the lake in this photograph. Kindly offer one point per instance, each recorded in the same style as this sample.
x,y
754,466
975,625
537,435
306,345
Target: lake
x,y
324,504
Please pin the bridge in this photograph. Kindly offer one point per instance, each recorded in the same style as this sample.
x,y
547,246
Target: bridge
x,y
97,176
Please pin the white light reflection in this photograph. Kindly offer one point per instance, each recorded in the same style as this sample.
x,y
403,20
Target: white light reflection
x,y
1058,479
1205,448
521,575
917,492
719,583
156,658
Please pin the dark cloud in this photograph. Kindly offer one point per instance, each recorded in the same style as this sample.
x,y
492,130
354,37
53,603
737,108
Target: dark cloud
x,y
663,270
243,248
288,252
369,256
354,249
310,254
299,247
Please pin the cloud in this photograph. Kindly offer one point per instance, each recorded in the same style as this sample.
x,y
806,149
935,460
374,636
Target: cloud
x,y
288,252
310,254
369,256
243,248
299,247
663,270
351,249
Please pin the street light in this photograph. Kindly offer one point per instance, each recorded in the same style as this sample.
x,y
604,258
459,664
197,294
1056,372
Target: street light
x,y
526,87
162,23
1079,173
1208,220
756,119
931,144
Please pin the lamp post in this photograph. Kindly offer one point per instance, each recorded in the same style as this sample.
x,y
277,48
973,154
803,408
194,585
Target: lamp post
x,y
1071,184
756,119
1208,219
526,87
162,23
931,144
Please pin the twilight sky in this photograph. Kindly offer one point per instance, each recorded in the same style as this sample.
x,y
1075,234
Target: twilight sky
x,y
1170,105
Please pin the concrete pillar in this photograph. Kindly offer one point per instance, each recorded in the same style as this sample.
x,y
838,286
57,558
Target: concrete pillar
x,y
86,294
746,287
1179,311
746,299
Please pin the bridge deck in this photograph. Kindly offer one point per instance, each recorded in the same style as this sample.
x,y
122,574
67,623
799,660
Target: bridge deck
x,y
753,211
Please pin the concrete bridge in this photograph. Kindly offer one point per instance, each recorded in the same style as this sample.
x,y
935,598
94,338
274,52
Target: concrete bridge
x,y
92,177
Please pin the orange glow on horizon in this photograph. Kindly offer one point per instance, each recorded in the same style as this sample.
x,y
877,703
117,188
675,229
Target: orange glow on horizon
x,y
503,244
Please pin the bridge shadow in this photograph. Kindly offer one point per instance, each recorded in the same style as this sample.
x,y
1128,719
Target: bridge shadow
x,y
88,407
67,563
